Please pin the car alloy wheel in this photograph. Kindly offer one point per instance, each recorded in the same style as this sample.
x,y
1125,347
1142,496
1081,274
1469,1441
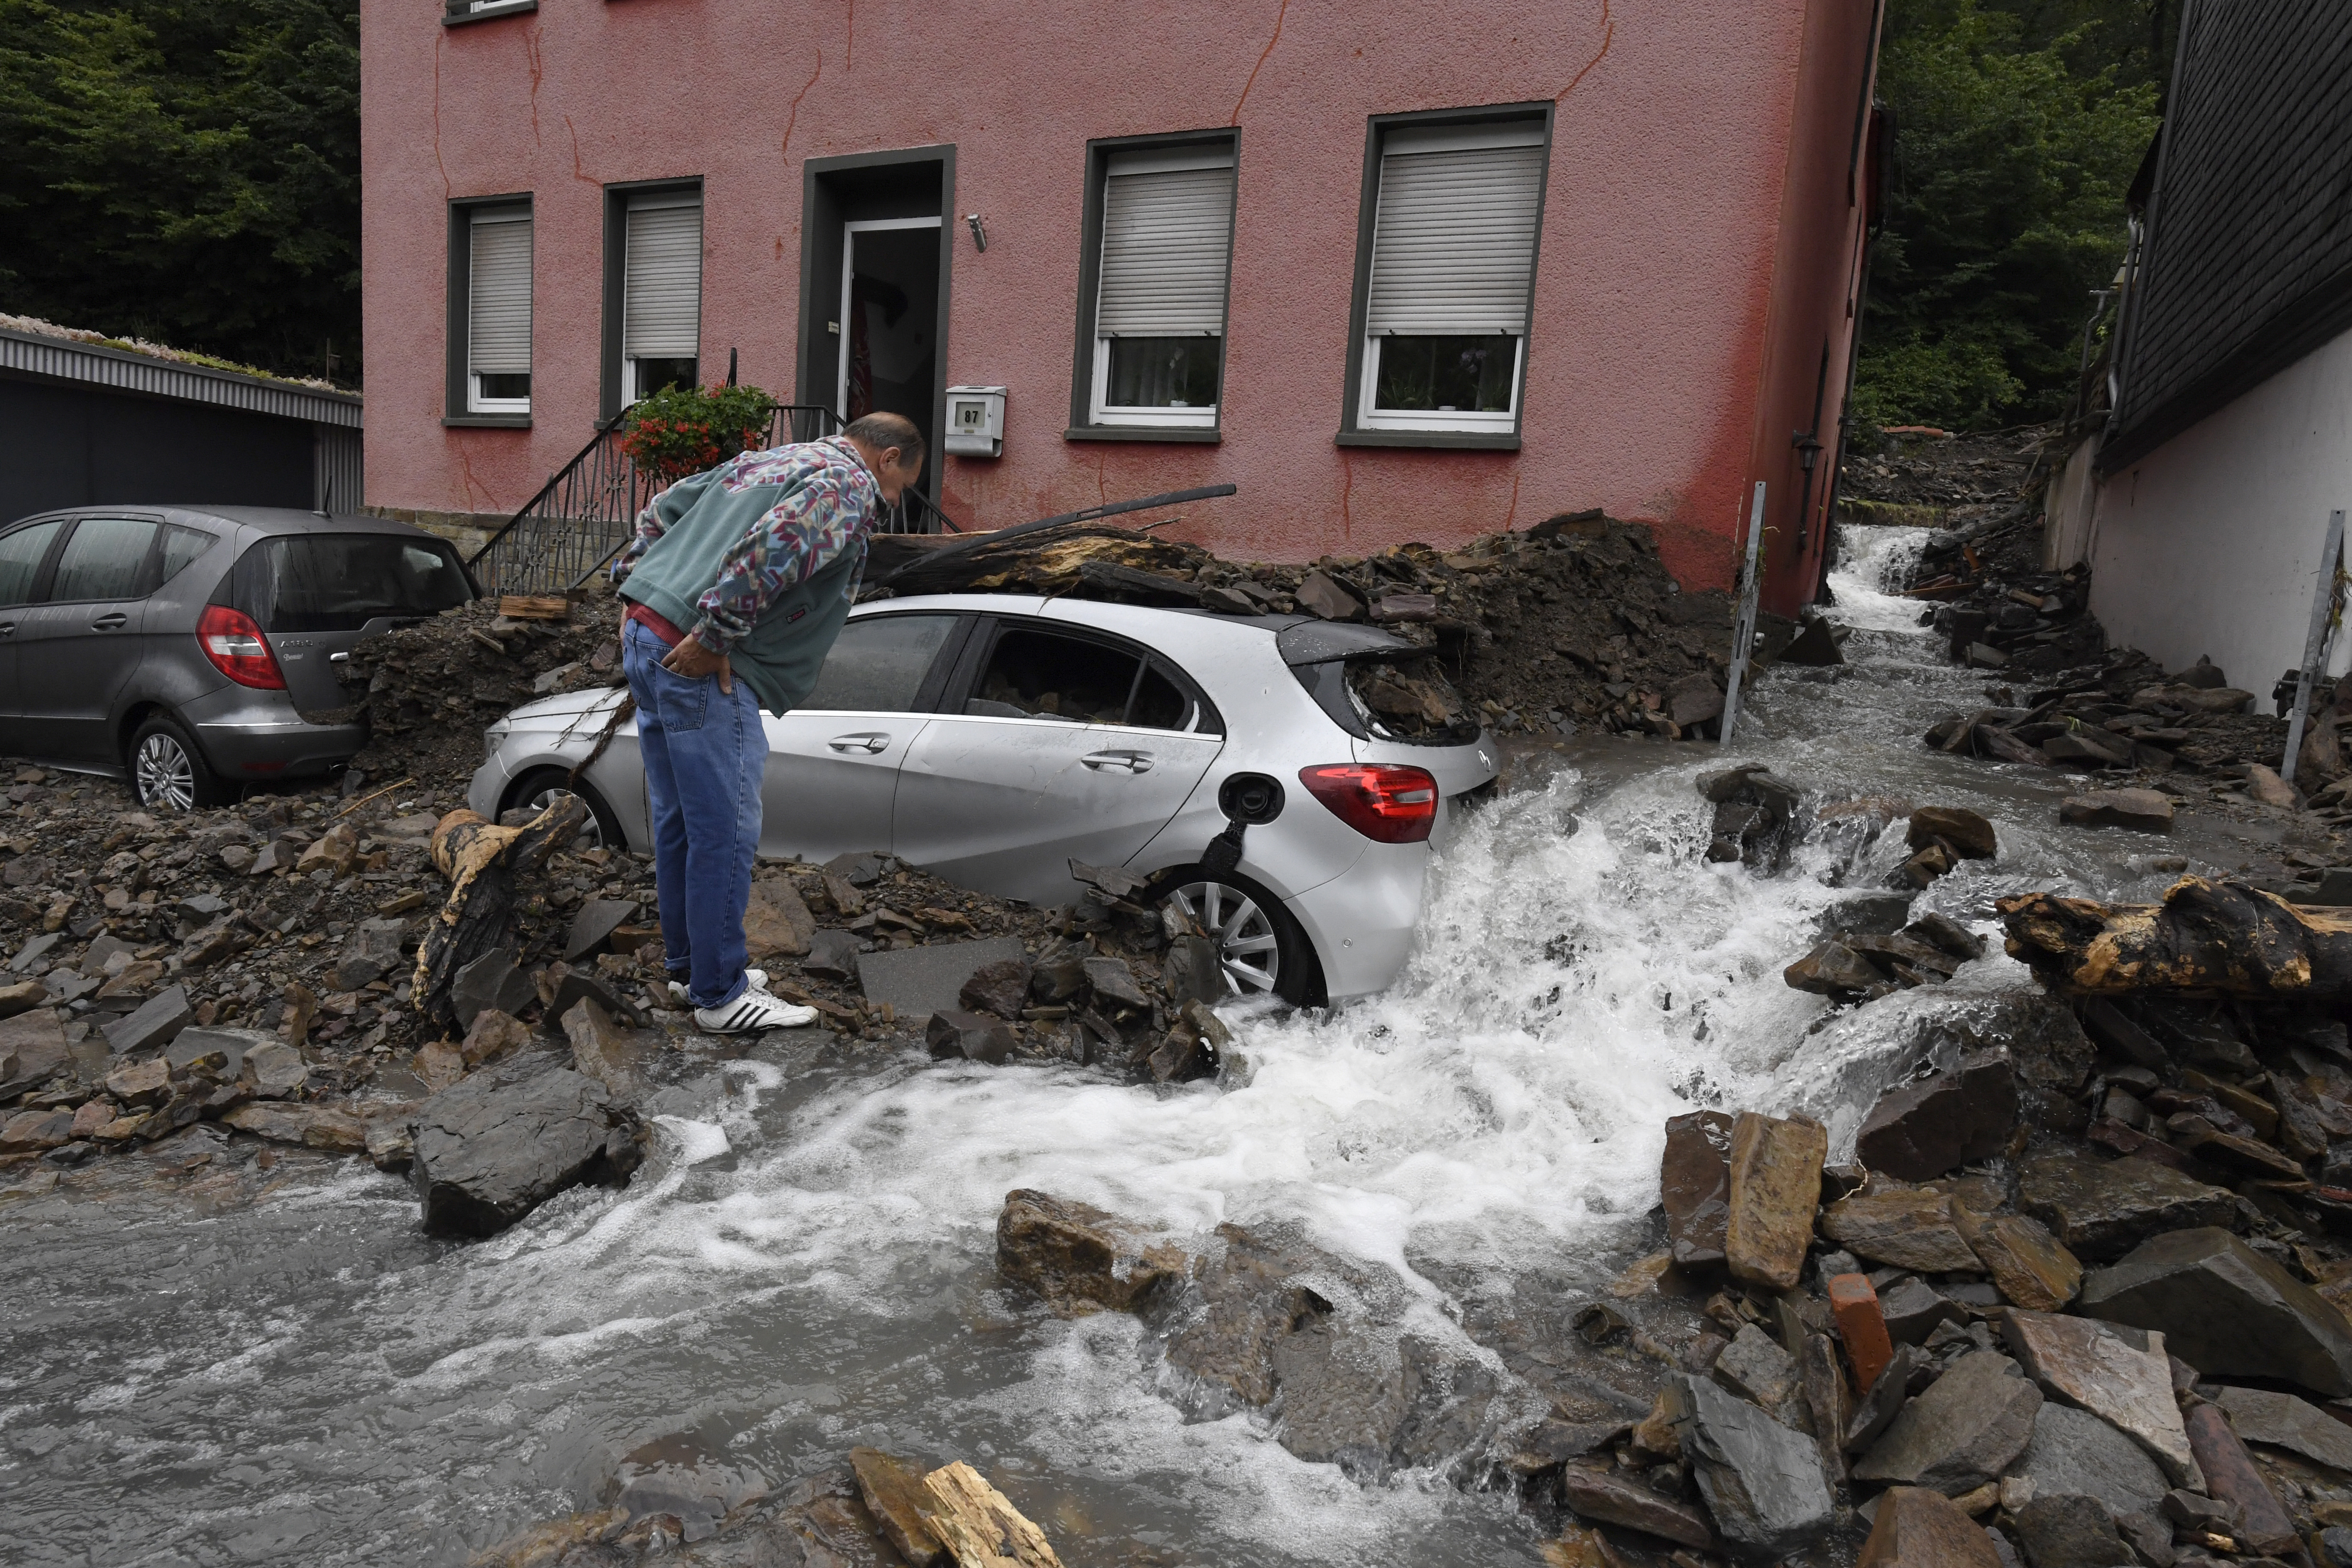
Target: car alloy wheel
x,y
165,774
1248,946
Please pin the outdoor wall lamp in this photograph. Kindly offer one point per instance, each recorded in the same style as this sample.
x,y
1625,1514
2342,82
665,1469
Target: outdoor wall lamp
x,y
1809,448
979,232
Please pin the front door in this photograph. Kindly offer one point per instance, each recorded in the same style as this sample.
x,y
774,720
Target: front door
x,y
1067,747
833,762
76,650
889,323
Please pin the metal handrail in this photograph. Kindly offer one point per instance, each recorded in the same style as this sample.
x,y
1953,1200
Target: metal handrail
x,y
588,509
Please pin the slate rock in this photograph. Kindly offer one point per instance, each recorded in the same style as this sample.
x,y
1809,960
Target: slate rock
x,y
1319,595
1919,1131
2231,1477
1861,1324
1964,1431
895,1496
2100,1209
492,1148
1968,833
1947,935
32,1132
1910,1228
1755,1367
974,1037
154,1024
916,982
859,869
600,1048
2121,1374
2119,1034
1915,1528
2283,1421
1695,1181
1776,1181
583,985
1077,1258
2145,809
1888,1392
2073,1451
190,1051
776,920
1059,973
2029,1267
312,1126
1835,970
491,981
1613,1497
2071,1530
32,1050
1865,914
147,1082
1000,987
2226,1309
1762,1481
832,955
1913,1308
274,1071
1114,985
597,919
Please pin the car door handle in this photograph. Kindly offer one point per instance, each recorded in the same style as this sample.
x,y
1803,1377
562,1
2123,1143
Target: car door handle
x,y
869,744
7,628
108,623
1132,762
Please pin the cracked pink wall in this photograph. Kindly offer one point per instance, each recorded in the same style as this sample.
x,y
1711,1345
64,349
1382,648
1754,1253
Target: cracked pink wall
x,y
1692,242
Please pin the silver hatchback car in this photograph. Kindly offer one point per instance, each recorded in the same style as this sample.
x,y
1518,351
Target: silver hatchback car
x,y
182,645
993,739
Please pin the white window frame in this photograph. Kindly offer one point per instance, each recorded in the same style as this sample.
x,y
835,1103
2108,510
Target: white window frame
x,y
1218,156
849,232
519,212
641,202
1406,139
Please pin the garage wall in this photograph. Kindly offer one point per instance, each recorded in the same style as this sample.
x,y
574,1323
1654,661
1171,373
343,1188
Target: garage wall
x,y
70,446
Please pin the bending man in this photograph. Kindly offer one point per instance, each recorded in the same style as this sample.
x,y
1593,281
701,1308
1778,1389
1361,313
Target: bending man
x,y
737,584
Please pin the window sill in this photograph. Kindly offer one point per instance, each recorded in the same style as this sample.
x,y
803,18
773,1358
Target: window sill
x,y
487,421
1196,434
513,8
1461,440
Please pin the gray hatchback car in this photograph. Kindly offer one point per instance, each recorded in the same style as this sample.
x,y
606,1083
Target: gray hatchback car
x,y
181,647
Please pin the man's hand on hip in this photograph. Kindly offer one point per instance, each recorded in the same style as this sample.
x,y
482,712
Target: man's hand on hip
x,y
693,661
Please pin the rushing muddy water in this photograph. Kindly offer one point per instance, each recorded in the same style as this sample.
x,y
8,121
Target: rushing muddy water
x,y
192,1375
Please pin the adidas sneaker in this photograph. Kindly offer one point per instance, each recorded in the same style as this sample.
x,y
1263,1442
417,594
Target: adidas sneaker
x,y
757,979
751,1012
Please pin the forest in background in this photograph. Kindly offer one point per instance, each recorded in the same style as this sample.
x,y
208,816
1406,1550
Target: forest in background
x,y
189,173
186,173
2019,125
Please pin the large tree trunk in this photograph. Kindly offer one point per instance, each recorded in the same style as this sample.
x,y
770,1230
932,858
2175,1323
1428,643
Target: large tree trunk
x,y
2215,937
481,862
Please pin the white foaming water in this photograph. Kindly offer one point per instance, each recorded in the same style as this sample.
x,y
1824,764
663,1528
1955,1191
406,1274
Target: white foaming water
x,y
807,1262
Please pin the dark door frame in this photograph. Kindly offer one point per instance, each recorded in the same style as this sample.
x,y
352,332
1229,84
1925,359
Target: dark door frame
x,y
825,182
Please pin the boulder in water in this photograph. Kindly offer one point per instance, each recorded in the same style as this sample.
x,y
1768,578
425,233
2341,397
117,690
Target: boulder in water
x,y
490,1149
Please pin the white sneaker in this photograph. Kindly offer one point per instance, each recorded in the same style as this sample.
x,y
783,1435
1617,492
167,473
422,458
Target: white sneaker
x,y
751,1012
757,979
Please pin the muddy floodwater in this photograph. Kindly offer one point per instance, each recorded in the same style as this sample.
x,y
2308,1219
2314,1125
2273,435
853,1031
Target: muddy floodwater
x,y
229,1365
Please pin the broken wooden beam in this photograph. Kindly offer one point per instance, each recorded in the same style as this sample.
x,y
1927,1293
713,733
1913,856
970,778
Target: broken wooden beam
x,y
2219,937
481,861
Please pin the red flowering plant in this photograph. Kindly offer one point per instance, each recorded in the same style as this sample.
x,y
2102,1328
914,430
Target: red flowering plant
x,y
685,430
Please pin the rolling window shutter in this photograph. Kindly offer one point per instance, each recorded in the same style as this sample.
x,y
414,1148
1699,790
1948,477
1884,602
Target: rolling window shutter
x,y
1166,237
1453,245
498,339
661,309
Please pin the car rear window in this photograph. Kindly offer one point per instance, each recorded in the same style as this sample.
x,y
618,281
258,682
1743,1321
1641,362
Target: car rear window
x,y
1377,686
340,581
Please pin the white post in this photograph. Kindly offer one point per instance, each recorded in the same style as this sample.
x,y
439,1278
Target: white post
x,y
1743,628
2314,641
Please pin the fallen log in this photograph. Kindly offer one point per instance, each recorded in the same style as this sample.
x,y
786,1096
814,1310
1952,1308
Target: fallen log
x,y
2216,937
978,1525
481,861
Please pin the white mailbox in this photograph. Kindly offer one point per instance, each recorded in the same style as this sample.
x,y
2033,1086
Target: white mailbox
x,y
976,421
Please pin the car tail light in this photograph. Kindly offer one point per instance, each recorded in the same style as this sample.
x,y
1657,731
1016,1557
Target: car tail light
x,y
234,644
1382,801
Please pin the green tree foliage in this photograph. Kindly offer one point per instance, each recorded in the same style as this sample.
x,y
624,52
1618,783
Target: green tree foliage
x,y
2019,128
186,172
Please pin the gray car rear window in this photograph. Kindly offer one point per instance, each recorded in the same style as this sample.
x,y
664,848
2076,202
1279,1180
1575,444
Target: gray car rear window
x,y
340,581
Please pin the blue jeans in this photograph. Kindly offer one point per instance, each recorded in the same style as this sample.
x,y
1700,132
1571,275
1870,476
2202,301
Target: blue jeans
x,y
705,754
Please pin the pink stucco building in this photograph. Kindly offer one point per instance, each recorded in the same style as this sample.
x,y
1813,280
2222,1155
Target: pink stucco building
x,y
1397,273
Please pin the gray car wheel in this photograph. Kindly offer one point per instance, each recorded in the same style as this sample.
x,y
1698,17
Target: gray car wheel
x,y
1249,936
167,772
539,790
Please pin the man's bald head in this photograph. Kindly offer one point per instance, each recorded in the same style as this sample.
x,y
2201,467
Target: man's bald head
x,y
892,446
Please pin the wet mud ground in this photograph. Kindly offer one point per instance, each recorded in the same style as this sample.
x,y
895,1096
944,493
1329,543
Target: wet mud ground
x,y
255,1357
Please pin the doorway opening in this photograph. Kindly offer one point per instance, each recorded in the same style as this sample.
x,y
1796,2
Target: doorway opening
x,y
875,259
